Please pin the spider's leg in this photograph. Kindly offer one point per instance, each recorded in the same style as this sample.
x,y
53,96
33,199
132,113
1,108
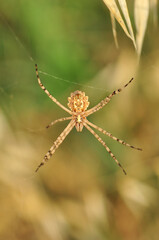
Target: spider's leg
x,y
106,147
56,144
106,100
110,135
47,92
58,120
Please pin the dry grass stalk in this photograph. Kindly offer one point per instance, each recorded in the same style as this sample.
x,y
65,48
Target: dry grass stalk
x,y
114,30
153,8
113,8
141,11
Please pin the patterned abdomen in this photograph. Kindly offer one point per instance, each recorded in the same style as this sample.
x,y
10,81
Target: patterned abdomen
x,y
78,102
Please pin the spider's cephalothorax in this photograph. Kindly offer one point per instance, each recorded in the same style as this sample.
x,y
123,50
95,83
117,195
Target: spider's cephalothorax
x,y
78,103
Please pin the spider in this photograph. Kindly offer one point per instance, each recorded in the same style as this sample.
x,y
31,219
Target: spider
x,y
78,104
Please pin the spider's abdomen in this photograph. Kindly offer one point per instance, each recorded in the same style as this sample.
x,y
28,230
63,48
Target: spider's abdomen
x,y
78,102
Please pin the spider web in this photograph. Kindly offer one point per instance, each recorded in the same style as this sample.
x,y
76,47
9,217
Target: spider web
x,y
9,94
9,91
30,57
9,113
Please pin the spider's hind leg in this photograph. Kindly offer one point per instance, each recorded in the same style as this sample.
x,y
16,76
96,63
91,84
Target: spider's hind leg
x,y
107,99
47,92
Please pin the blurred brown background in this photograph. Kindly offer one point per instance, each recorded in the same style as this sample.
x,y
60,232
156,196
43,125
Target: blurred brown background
x,y
80,194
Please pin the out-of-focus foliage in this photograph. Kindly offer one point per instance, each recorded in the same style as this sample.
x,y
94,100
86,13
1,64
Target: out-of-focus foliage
x,y
80,193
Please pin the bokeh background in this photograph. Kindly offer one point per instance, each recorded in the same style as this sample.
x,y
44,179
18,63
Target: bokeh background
x,y
80,193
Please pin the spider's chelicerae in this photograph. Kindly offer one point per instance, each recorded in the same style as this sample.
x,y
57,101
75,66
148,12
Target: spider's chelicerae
x,y
78,104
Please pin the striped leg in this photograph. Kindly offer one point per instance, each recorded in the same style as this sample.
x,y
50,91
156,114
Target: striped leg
x,y
56,144
106,147
106,100
46,91
110,135
58,120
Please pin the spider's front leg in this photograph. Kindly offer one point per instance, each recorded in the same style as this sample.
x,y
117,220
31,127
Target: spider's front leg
x,y
57,143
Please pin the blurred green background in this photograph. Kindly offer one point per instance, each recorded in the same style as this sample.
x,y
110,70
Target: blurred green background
x,y
80,193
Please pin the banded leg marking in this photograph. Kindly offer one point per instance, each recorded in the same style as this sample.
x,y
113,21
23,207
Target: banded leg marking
x,y
47,92
56,144
106,100
58,120
106,147
111,136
